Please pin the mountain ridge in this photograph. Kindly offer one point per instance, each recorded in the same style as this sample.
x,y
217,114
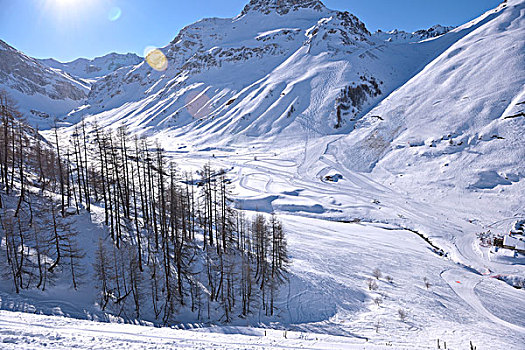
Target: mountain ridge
x,y
281,7
97,67
421,34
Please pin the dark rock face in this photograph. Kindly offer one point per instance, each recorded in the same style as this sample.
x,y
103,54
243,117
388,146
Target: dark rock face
x,y
28,76
282,7
352,98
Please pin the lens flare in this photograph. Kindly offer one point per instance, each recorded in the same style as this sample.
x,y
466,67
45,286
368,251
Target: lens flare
x,y
114,13
156,59
198,104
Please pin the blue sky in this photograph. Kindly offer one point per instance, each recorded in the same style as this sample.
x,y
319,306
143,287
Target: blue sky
x,y
67,29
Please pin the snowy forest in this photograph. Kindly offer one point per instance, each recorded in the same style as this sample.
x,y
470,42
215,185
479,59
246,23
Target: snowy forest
x,y
174,243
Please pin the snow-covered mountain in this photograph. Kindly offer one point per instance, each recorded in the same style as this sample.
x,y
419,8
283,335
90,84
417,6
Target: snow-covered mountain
x,y
458,122
42,93
95,68
406,110
270,69
443,112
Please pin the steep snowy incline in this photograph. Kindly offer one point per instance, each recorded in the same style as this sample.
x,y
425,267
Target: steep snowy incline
x,y
42,93
95,68
457,100
453,135
274,70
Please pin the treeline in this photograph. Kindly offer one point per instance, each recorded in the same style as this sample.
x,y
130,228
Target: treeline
x,y
174,242
39,245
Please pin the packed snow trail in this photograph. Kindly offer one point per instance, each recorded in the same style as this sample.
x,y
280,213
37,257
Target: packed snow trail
x,y
30,331
463,283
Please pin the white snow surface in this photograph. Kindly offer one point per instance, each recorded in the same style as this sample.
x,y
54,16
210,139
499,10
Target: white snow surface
x,y
438,154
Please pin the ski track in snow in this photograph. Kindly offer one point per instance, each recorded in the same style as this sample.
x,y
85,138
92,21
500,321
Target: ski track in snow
x,y
26,331
463,284
361,186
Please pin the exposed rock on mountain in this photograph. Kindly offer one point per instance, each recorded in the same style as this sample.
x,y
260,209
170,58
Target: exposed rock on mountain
x,y
36,87
422,34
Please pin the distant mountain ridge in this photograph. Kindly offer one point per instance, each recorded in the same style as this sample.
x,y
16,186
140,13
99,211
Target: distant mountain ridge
x,y
227,63
94,68
422,34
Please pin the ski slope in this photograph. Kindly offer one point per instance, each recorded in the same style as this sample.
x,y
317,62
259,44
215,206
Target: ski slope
x,y
327,305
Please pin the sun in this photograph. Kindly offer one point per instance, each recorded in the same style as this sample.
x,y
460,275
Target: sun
x,y
68,12
64,6
66,3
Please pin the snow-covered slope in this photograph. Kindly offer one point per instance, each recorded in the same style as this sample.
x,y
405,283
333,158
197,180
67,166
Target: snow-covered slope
x,y
458,122
95,68
42,93
315,117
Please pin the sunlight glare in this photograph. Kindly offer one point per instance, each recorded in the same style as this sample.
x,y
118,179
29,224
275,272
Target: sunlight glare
x,y
66,3
70,11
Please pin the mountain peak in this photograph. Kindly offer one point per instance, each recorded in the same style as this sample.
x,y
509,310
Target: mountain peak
x,y
281,7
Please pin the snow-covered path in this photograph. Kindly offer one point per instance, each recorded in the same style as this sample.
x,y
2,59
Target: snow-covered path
x,y
464,284
29,331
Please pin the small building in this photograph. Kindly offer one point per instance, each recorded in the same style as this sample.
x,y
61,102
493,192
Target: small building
x,y
509,242
333,177
520,246
514,242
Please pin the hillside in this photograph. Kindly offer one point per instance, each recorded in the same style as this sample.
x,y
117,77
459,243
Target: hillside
x,y
42,93
454,129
